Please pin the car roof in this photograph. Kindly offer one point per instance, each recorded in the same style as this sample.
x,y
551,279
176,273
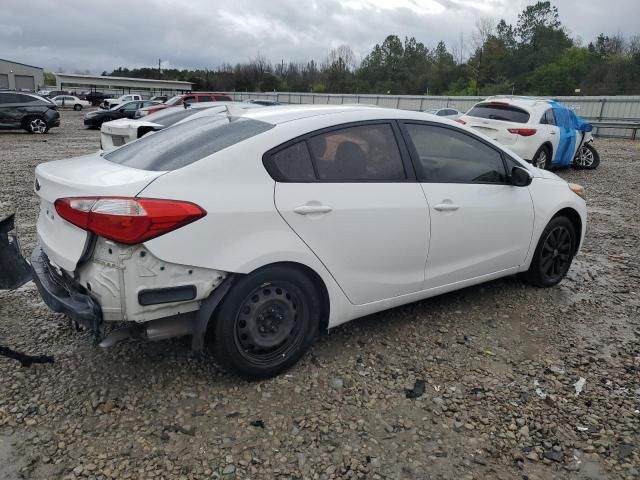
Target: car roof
x,y
286,113
517,101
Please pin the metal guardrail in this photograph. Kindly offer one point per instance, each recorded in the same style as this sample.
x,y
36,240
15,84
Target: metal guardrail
x,y
617,115
634,126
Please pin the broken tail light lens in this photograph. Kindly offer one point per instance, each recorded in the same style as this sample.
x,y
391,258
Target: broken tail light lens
x,y
128,220
525,132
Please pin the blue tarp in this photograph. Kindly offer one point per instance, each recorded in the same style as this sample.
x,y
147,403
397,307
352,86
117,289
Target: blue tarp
x,y
571,131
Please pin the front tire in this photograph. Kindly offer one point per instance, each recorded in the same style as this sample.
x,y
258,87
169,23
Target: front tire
x,y
267,322
542,158
554,253
587,158
77,107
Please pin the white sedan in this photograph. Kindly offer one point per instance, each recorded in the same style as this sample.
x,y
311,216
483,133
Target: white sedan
x,y
69,101
264,228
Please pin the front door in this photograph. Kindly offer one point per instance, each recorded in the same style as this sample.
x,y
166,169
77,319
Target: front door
x,y
347,194
480,223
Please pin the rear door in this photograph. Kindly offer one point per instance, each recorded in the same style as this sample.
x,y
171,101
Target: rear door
x,y
550,128
350,195
480,223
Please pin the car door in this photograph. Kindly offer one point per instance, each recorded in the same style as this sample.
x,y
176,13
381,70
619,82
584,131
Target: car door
x,y
550,129
129,109
480,223
350,194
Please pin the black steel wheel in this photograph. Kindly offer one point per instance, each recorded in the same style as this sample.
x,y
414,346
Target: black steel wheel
x,y
267,322
554,253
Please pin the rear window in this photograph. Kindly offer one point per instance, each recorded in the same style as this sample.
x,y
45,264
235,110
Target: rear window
x,y
186,143
168,117
493,111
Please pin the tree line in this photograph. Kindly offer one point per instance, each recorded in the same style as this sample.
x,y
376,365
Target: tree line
x,y
536,56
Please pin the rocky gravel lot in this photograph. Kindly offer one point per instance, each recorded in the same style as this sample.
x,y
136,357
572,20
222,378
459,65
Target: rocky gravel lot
x,y
520,383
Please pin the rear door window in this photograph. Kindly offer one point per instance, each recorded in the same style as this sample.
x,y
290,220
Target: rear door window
x,y
186,143
548,118
222,98
497,111
204,98
356,154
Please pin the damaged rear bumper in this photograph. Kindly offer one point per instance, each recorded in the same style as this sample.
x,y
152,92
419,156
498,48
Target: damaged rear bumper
x,y
14,270
62,296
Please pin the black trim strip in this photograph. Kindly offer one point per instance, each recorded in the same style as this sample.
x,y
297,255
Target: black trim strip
x,y
156,296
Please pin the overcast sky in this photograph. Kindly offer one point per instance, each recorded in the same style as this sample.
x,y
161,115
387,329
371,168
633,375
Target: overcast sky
x,y
76,35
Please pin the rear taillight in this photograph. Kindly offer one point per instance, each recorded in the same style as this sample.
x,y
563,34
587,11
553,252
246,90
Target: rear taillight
x,y
127,220
525,132
459,120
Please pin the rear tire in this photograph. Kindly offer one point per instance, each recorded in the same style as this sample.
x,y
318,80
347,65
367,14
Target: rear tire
x,y
554,253
587,158
36,125
542,158
267,322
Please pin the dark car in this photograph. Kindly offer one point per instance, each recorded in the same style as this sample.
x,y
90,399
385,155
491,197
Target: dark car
x,y
29,111
96,98
127,110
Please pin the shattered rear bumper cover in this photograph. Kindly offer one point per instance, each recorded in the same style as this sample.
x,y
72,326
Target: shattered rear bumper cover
x,y
61,296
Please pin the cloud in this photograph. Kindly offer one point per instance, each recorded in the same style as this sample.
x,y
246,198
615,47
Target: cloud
x,y
75,36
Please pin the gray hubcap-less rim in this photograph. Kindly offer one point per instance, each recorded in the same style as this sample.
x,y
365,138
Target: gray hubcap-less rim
x,y
541,160
585,159
37,125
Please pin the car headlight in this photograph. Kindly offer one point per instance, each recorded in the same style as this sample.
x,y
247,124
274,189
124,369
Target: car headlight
x,y
91,114
577,189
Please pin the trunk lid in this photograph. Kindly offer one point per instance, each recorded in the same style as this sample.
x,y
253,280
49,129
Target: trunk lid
x,y
90,175
495,129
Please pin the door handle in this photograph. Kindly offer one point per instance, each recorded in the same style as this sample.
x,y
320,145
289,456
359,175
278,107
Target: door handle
x,y
309,209
552,132
446,207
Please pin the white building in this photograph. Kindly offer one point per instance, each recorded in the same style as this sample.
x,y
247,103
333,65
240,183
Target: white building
x,y
120,85
18,76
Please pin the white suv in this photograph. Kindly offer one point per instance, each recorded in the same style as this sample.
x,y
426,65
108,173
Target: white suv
x,y
543,132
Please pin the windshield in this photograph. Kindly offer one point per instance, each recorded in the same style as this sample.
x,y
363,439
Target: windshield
x,y
173,100
186,143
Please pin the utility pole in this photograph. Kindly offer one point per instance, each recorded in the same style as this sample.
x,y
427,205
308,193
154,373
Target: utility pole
x,y
159,71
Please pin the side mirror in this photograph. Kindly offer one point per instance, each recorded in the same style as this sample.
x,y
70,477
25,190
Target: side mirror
x,y
520,177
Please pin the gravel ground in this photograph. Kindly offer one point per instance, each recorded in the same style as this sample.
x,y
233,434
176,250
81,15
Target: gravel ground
x,y
502,363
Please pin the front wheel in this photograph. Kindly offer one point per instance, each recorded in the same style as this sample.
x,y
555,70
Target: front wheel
x,y
267,322
587,158
77,107
554,254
